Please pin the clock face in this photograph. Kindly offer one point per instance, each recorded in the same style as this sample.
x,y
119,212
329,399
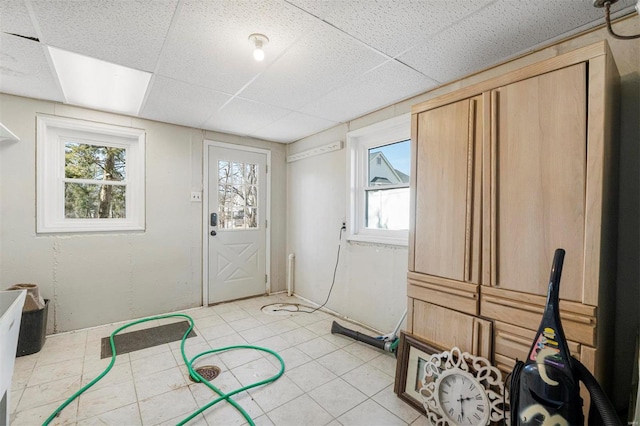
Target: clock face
x,y
462,399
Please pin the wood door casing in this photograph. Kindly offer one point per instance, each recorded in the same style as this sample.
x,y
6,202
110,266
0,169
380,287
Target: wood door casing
x,y
539,143
447,216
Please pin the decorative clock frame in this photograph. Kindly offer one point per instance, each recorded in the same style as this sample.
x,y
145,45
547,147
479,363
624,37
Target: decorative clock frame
x,y
488,376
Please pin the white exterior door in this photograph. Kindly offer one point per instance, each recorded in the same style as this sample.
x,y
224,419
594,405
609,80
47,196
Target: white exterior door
x,y
236,222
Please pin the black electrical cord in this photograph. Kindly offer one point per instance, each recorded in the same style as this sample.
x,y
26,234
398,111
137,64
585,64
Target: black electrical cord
x,y
607,17
296,306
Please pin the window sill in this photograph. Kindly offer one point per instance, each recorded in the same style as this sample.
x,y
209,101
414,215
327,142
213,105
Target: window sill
x,y
378,240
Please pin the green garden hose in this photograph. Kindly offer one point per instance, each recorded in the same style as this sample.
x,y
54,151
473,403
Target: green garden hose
x,y
189,363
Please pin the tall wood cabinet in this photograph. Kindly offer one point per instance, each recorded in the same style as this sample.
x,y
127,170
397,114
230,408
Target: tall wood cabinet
x,y
504,172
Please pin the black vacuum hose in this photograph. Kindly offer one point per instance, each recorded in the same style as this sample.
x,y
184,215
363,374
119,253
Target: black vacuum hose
x,y
337,328
598,397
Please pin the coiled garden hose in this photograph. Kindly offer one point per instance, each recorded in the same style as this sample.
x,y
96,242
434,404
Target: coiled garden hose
x,y
189,363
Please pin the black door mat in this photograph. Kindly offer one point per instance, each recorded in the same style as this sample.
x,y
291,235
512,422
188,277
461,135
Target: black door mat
x,y
142,339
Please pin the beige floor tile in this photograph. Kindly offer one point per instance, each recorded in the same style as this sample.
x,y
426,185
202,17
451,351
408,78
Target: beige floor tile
x,y
14,398
159,382
166,406
258,333
151,364
47,393
128,415
369,413
340,362
301,411
317,348
223,413
363,351
293,357
337,397
309,376
52,372
38,415
106,399
151,386
245,324
237,357
275,394
386,363
389,400
367,379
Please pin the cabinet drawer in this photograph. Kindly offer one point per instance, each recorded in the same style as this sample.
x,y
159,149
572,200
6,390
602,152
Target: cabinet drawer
x,y
452,294
526,311
512,342
447,328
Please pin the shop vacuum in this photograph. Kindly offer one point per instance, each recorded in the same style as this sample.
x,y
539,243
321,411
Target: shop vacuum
x,y
545,389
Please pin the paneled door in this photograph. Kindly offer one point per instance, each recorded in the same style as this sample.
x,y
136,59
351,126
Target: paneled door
x,y
236,222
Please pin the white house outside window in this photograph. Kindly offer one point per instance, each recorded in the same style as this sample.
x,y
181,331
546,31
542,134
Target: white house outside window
x,y
90,176
379,162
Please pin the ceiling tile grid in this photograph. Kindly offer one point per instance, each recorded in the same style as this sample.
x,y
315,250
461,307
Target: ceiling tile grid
x,y
502,30
15,19
209,44
243,116
393,27
24,70
129,33
292,127
315,65
380,87
327,61
177,102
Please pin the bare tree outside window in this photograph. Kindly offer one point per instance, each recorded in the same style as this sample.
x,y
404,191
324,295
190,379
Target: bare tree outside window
x,y
237,195
95,185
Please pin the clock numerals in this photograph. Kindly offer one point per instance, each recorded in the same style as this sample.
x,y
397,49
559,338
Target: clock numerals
x,y
476,416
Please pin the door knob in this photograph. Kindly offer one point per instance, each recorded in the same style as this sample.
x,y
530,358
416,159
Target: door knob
x,y
213,233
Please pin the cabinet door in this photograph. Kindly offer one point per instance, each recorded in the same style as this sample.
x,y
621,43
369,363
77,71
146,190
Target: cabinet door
x,y
447,208
447,328
538,150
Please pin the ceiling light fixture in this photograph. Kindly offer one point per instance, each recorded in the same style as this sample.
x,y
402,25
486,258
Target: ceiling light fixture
x,y
259,41
607,17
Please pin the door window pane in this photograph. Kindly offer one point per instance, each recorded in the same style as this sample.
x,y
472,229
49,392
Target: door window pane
x,y
237,195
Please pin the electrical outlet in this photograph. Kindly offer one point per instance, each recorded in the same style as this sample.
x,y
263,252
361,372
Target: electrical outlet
x,y
196,196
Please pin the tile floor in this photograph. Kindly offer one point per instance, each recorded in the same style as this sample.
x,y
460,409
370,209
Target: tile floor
x,y
329,379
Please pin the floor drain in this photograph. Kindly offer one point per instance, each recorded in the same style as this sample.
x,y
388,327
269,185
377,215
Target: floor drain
x,y
209,372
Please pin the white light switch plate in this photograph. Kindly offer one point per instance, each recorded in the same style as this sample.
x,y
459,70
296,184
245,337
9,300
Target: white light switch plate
x,y
196,196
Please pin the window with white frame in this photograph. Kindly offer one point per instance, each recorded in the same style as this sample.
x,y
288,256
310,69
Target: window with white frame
x,y
380,162
90,176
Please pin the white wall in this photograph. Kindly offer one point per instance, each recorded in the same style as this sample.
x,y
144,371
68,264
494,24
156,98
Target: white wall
x,y
96,278
370,282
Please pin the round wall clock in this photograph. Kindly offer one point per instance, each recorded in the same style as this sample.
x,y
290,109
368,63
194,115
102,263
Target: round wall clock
x,y
462,389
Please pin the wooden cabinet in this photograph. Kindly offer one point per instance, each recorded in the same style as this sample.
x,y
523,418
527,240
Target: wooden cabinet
x,y
447,207
451,328
537,185
504,172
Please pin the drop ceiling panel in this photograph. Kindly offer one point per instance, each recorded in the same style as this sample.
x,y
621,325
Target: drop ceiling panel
x,y
176,102
382,86
243,116
497,32
129,33
393,27
315,65
25,70
210,46
292,127
14,18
